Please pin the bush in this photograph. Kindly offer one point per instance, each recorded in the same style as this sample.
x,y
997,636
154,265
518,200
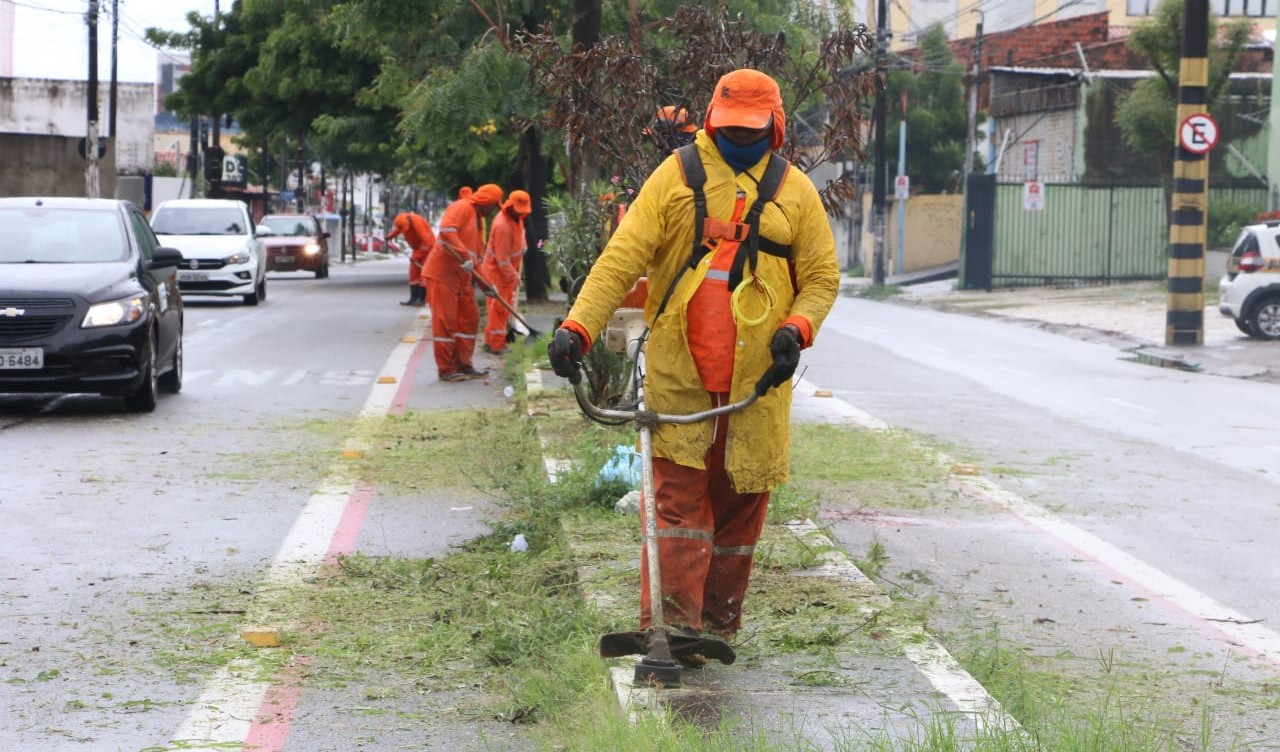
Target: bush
x,y
1225,220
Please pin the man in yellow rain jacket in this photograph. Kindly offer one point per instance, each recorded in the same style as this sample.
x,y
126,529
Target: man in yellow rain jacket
x,y
710,342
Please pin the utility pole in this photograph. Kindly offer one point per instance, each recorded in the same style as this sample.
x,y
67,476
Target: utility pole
x,y
971,142
216,128
902,202
1184,318
115,77
881,167
91,137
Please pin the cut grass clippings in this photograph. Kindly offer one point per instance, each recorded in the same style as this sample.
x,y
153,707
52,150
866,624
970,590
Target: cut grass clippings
x,y
512,636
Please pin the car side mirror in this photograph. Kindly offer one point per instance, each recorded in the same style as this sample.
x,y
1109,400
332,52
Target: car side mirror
x,y
165,257
325,235
263,231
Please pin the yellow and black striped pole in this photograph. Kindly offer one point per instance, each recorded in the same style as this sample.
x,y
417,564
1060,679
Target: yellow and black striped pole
x,y
1184,319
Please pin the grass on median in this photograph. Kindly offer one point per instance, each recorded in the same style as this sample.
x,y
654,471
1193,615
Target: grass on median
x,y
512,636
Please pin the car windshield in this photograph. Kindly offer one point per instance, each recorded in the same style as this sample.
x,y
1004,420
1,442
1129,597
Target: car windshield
x,y
198,220
46,235
297,226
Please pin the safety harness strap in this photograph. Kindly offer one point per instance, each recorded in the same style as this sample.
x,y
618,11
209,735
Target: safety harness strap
x,y
766,191
695,176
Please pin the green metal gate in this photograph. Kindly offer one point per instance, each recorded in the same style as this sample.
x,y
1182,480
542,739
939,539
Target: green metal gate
x,y
1084,233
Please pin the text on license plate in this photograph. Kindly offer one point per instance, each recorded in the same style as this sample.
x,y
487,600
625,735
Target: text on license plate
x,y
21,358
285,259
193,276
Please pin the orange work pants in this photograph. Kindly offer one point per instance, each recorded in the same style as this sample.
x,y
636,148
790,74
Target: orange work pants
x,y
455,317
495,331
707,534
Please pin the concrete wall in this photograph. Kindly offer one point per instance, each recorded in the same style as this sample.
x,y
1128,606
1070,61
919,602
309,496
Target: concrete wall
x,y
933,229
42,122
44,165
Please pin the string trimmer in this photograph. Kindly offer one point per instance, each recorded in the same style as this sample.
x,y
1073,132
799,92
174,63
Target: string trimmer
x,y
660,646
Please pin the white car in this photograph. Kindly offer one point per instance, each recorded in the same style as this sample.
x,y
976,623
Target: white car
x,y
222,255
1250,290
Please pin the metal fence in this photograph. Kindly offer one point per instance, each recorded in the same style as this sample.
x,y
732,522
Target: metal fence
x,y
1091,233
1082,233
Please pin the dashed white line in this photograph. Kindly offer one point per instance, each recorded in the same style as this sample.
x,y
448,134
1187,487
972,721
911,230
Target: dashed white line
x,y
1131,405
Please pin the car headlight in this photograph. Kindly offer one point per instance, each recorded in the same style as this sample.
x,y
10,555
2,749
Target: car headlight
x,y
115,312
240,257
311,249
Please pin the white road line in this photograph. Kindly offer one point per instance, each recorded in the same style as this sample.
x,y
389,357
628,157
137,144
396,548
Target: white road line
x,y
1209,615
1015,371
224,712
1130,405
221,717
936,348
930,658
875,329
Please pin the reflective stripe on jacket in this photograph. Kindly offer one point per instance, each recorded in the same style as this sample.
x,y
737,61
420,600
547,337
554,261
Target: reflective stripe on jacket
x,y
655,239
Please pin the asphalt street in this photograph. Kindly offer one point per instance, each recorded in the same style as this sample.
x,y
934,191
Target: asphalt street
x,y
1121,513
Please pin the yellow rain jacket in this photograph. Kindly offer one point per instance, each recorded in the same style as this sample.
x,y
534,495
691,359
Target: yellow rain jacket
x,y
655,239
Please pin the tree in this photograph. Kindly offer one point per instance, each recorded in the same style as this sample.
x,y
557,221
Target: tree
x,y
931,97
606,96
1147,115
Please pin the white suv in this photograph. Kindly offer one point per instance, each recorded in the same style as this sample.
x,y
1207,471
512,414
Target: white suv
x,y
222,256
1250,290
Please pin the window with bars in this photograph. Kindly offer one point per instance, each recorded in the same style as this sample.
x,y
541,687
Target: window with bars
x,y
1249,8
1224,8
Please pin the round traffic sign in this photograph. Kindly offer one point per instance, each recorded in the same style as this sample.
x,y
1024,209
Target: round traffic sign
x,y
1198,133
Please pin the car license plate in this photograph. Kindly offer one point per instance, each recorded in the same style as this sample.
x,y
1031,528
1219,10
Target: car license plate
x,y
25,358
285,259
193,276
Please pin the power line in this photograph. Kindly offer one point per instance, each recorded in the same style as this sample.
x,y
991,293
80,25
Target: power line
x,y
44,8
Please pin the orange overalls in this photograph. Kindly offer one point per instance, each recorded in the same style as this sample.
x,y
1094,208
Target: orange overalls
x,y
417,231
501,269
707,532
455,317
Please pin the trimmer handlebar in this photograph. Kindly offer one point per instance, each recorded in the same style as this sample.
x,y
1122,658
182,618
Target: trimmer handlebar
x,y
652,417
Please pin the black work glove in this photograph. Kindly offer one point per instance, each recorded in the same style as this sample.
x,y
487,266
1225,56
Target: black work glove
x,y
565,353
785,347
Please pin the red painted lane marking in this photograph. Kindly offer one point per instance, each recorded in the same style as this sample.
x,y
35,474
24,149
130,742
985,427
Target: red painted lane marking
x,y
274,719
401,399
344,537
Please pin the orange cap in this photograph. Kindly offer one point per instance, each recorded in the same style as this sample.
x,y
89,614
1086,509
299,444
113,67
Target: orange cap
x,y
401,224
488,194
672,118
747,98
520,201
464,192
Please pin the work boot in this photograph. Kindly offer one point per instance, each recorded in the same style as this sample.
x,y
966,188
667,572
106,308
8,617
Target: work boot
x,y
471,372
413,296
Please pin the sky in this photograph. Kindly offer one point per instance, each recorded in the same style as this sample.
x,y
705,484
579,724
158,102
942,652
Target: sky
x,y
51,36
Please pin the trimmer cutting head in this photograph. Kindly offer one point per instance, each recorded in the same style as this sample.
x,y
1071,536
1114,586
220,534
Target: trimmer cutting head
x,y
663,652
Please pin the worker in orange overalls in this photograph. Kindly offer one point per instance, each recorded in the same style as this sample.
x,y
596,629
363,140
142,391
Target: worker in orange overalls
x,y
732,301
417,231
501,266
455,317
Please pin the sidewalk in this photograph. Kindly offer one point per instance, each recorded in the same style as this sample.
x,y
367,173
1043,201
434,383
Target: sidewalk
x,y
1128,316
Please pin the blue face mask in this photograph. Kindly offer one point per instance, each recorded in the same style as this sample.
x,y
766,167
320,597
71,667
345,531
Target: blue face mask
x,y
741,158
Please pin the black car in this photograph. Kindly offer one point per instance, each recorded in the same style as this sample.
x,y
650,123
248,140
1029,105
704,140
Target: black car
x,y
89,301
